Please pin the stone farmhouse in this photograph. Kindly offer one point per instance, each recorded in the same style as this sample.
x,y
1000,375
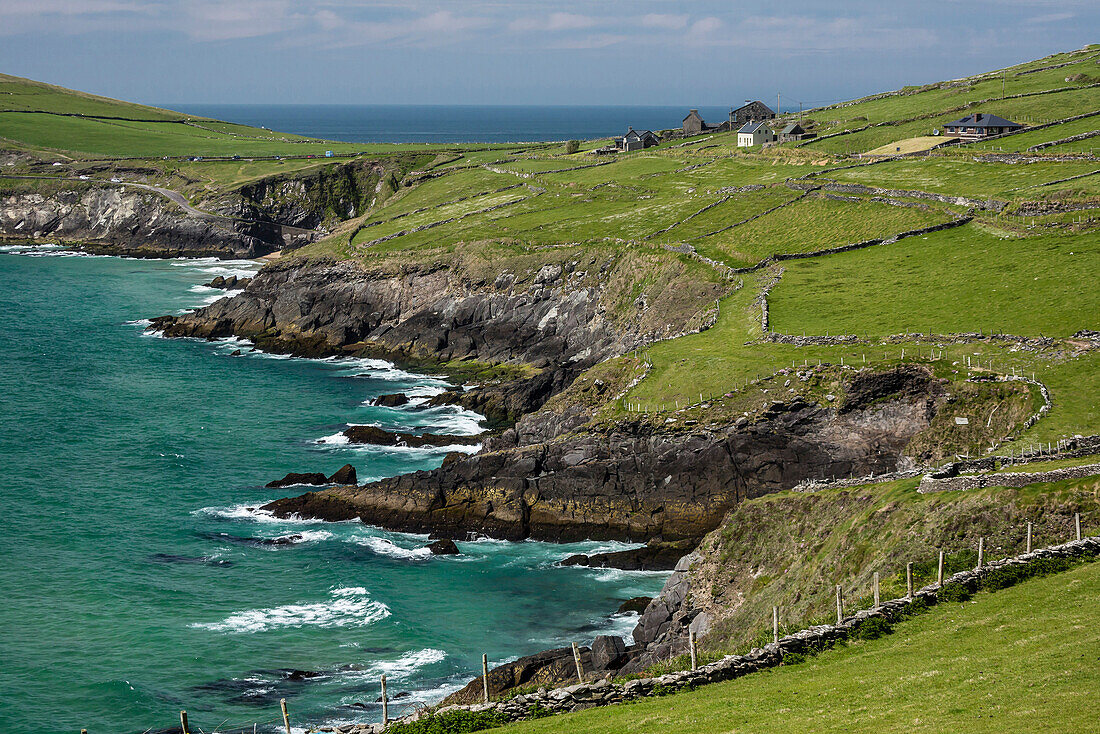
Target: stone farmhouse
x,y
791,133
754,133
694,124
634,140
980,125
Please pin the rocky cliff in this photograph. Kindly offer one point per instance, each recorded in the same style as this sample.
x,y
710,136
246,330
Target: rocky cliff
x,y
543,319
129,221
637,480
315,199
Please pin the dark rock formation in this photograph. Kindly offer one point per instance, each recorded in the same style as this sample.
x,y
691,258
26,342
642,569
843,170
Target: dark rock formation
x,y
294,478
378,437
443,547
637,604
232,283
654,556
635,481
344,475
393,400
608,652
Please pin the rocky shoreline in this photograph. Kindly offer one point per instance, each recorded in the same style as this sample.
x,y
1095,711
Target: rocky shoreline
x,y
546,475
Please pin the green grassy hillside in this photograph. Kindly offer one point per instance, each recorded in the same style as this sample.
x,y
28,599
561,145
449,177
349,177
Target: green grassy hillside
x,y
1020,659
1022,268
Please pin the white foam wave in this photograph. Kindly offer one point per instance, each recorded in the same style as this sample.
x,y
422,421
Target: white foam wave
x,y
346,607
336,439
138,322
386,547
253,513
614,575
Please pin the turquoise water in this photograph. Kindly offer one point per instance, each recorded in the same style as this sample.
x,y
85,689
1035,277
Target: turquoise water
x,y
135,575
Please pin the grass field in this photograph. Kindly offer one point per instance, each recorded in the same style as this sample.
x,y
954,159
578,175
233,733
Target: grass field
x,y
958,280
801,227
1020,659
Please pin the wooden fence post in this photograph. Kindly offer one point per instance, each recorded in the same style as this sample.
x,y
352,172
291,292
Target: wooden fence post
x,y
577,660
981,551
286,716
876,589
775,624
485,675
839,605
909,581
183,722
1029,537
692,650
939,575
385,704
1077,522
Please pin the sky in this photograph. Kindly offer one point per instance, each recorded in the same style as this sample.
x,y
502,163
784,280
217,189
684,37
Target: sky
x,y
614,52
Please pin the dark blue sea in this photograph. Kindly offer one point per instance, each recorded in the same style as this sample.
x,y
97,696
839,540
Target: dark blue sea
x,y
450,123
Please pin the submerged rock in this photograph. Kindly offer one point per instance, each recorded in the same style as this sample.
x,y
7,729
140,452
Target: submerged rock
x,y
654,556
637,604
392,400
379,437
293,478
443,547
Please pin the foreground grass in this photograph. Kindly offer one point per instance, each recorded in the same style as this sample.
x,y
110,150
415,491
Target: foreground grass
x,y
1021,659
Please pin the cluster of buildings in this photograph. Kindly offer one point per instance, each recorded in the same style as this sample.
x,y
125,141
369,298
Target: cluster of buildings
x,y
751,122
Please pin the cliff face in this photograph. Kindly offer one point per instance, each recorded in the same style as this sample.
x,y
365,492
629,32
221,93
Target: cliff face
x,y
635,482
309,200
546,323
129,221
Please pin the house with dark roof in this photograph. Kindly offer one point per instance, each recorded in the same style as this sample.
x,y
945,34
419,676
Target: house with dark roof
x,y
754,133
694,124
792,132
634,140
980,125
751,112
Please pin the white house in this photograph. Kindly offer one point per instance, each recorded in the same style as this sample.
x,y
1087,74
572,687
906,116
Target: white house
x,y
754,133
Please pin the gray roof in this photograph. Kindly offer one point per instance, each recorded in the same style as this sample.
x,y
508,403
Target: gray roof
x,y
979,119
750,104
793,128
752,127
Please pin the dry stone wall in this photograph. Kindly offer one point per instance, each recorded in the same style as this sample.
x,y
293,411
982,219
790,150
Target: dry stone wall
x,y
605,692
1004,479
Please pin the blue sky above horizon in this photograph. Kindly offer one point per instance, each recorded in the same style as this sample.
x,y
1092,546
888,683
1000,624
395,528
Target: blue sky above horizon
x,y
701,52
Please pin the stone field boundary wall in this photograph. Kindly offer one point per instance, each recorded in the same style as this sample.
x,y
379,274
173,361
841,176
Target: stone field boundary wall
x,y
1005,479
582,696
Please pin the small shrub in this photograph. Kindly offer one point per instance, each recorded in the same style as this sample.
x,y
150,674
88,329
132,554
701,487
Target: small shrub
x,y
1002,578
955,592
873,628
794,658
451,722
538,712
917,606
572,147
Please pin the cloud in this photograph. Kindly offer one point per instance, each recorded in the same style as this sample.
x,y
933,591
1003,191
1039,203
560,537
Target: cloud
x,y
1050,18
705,27
553,22
664,21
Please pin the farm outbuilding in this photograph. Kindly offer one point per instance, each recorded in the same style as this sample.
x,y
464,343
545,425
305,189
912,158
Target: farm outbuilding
x,y
634,140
